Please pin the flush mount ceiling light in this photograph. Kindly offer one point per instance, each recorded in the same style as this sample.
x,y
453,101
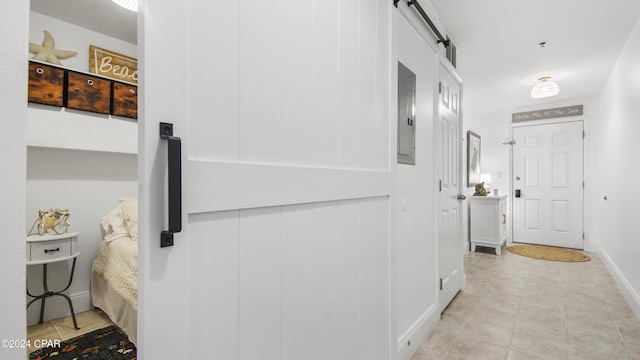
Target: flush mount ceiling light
x,y
128,4
545,88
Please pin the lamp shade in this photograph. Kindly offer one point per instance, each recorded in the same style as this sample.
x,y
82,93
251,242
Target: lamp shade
x,y
545,88
128,4
485,178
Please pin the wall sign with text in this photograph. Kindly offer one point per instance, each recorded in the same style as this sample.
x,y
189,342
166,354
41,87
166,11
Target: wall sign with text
x,y
113,65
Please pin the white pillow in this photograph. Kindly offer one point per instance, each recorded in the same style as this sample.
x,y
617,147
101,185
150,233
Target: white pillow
x,y
114,225
129,208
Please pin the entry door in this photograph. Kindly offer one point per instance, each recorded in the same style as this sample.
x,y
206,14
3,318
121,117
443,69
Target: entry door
x,y
282,110
448,159
548,174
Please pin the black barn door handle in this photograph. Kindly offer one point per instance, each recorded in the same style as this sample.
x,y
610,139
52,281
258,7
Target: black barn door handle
x,y
174,169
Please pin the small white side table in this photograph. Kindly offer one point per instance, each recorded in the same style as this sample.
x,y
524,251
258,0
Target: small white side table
x,y
47,249
488,221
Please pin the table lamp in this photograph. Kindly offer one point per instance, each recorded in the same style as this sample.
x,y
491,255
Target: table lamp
x,y
486,179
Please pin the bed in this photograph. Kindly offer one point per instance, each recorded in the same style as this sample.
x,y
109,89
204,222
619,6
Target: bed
x,y
114,274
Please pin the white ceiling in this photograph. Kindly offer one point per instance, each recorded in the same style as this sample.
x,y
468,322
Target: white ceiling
x,y
102,16
497,42
498,46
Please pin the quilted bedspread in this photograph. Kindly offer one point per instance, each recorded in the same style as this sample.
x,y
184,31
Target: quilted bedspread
x,y
117,262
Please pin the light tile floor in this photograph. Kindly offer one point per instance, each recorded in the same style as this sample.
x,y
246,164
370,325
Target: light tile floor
x,y
518,308
62,328
513,308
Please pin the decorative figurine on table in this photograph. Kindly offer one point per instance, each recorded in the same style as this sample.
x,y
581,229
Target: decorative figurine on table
x,y
480,190
51,222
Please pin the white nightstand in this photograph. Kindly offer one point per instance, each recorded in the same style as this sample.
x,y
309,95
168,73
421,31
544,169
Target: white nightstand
x,y
488,221
46,249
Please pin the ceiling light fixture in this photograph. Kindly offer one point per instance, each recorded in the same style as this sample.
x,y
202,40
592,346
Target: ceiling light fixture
x,y
128,4
545,88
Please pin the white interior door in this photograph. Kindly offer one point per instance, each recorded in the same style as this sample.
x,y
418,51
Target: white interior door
x,y
448,159
284,118
548,173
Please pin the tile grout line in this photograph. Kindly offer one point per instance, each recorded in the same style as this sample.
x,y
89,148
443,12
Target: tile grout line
x,y
570,292
57,330
566,320
624,343
515,321
475,306
446,353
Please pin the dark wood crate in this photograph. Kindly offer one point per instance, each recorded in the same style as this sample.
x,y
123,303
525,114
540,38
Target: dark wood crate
x,y
88,93
46,84
125,100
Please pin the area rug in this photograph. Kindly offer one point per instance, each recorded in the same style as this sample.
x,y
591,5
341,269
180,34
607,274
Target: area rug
x,y
549,253
108,343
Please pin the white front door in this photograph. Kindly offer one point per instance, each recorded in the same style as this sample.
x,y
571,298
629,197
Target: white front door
x,y
283,113
448,137
548,184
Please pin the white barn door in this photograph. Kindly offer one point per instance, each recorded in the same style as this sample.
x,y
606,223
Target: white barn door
x,y
282,108
548,184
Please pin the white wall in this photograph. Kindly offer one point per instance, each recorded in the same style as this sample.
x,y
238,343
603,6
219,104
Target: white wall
x,y
615,171
62,128
76,159
68,36
353,151
495,128
611,126
13,92
88,183
55,127
415,237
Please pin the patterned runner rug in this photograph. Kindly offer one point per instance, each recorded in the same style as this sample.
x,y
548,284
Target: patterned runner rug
x,y
108,343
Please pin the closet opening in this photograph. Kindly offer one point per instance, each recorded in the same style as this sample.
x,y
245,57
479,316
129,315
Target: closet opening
x,y
82,144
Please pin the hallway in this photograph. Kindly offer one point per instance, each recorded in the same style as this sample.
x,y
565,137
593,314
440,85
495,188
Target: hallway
x,y
518,308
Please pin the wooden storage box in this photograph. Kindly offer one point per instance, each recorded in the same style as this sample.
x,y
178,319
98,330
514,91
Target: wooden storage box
x,y
46,84
125,100
88,93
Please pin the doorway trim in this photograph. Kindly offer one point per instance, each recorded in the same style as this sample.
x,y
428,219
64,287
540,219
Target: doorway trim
x,y
14,20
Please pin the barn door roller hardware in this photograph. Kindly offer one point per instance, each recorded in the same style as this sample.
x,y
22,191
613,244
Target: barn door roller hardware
x,y
426,18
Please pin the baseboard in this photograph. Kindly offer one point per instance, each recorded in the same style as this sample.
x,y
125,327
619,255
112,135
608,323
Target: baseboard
x,y
409,343
625,287
57,307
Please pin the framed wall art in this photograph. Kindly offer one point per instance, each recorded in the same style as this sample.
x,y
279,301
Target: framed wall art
x,y
473,158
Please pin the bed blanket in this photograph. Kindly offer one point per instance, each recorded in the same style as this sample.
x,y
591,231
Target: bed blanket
x,y
117,262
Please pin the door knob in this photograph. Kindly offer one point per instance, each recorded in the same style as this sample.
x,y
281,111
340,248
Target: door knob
x,y
461,197
517,193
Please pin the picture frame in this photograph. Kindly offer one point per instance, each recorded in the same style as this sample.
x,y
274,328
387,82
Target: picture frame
x,y
473,158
